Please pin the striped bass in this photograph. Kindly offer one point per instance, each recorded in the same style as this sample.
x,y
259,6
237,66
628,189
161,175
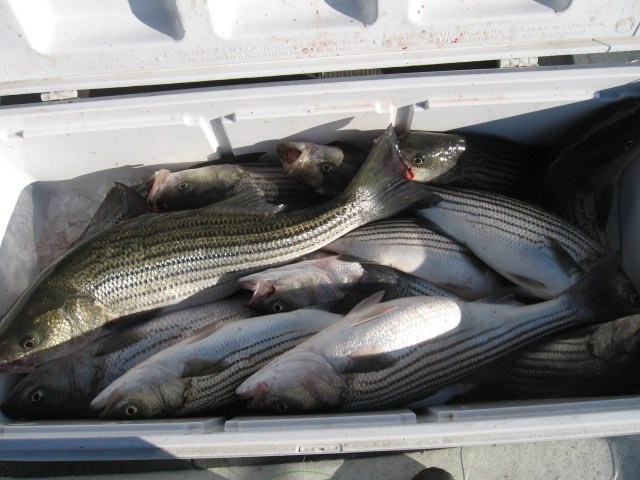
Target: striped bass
x,y
387,354
64,387
202,372
407,244
537,250
153,261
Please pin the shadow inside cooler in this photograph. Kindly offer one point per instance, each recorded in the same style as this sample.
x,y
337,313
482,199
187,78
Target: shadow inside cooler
x,y
61,159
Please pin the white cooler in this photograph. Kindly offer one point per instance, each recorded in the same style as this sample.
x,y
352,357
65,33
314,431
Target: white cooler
x,y
205,79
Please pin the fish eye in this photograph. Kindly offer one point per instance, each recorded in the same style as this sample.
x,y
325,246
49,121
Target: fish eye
x,y
628,145
28,342
417,160
326,167
282,407
37,395
130,410
183,186
277,307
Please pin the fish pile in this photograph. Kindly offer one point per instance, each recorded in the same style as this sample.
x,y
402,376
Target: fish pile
x,y
342,279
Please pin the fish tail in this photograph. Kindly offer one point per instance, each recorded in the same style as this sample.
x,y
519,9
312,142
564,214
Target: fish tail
x,y
383,184
604,293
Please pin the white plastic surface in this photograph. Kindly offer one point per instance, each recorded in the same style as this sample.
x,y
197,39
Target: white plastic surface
x,y
77,149
50,45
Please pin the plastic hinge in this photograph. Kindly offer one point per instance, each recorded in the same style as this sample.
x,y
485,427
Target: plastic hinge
x,y
519,62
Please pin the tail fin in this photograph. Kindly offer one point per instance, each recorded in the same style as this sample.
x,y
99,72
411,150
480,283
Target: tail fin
x,y
383,183
604,293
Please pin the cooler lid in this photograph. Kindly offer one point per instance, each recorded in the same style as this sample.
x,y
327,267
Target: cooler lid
x,y
57,45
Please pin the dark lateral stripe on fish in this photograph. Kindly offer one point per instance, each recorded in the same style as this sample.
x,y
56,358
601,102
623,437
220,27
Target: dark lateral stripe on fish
x,y
412,376
531,221
221,387
251,246
487,202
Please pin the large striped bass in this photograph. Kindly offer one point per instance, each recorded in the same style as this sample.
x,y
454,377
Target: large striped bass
x,y
537,250
154,261
388,354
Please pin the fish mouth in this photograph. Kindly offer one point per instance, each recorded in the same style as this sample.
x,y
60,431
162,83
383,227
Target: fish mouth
x,y
262,289
255,394
290,152
22,365
155,185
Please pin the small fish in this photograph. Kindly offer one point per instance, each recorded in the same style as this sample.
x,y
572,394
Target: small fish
x,y
327,169
473,161
154,261
201,372
328,280
537,250
407,244
64,387
387,354
302,284
585,165
202,186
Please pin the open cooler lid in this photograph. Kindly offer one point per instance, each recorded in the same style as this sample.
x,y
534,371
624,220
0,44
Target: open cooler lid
x,y
53,45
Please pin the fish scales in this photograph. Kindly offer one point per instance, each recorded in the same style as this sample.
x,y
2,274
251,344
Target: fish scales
x,y
66,385
155,261
220,389
406,244
368,360
521,219
375,389
188,378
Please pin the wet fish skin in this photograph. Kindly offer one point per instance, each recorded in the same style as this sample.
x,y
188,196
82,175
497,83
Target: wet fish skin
x,y
154,261
537,250
327,169
407,244
64,387
594,360
481,162
201,372
584,168
393,353
197,187
302,284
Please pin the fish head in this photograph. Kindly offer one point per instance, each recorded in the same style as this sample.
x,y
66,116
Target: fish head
x,y
191,188
621,338
313,164
290,287
431,157
45,325
61,388
144,392
298,381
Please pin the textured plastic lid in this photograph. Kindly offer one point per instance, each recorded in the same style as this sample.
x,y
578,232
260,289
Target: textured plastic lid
x,y
51,45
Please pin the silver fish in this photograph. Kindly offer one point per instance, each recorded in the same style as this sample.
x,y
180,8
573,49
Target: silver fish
x,y
201,372
393,353
197,187
154,261
406,244
64,387
537,250
327,280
